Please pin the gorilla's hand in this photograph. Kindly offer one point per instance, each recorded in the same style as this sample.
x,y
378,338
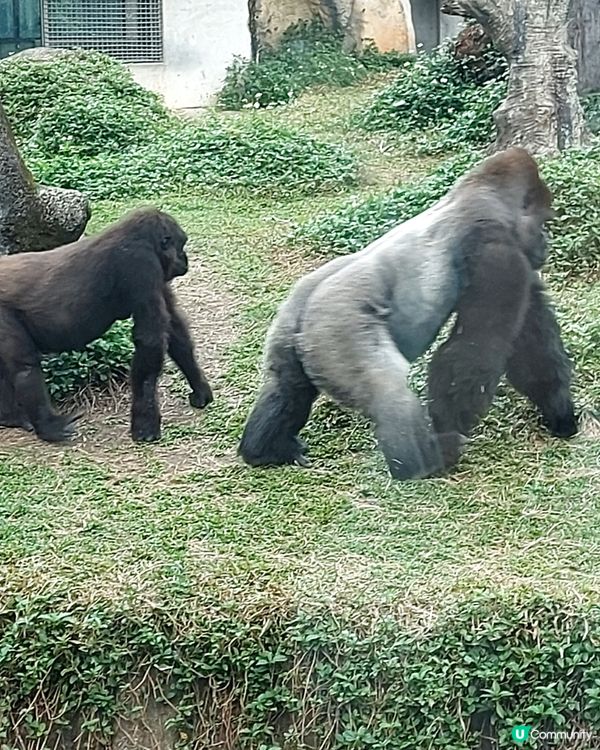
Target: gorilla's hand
x,y
145,427
562,426
201,397
451,445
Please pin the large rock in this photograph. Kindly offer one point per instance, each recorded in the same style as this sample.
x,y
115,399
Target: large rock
x,y
34,217
385,23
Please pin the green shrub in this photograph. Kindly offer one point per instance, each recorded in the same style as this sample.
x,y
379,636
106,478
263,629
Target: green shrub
x,y
308,54
82,122
574,180
78,103
472,126
361,221
315,679
573,177
103,361
204,153
451,100
591,108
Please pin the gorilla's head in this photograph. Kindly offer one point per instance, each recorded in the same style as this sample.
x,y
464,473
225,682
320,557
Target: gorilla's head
x,y
514,178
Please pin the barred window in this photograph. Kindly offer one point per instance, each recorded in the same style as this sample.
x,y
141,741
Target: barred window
x,y
129,30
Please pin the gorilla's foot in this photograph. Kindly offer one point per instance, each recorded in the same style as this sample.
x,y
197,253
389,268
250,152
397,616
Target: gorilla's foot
x,y
201,397
287,452
146,430
57,428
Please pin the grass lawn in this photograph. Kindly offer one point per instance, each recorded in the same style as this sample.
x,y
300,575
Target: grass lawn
x,y
294,608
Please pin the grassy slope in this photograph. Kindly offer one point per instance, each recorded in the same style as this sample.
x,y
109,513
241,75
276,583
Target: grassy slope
x,y
518,521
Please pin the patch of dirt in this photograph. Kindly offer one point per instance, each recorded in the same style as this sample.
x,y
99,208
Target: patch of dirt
x,y
103,432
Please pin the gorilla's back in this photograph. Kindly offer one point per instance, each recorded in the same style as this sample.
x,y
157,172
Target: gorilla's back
x,y
408,279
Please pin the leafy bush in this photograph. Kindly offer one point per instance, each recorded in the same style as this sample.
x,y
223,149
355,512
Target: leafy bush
x,y
78,103
437,92
591,108
304,680
204,153
573,177
103,361
82,122
361,221
574,180
308,54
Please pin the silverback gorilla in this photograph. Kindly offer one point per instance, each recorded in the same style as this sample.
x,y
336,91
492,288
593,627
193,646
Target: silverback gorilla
x,y
63,299
350,328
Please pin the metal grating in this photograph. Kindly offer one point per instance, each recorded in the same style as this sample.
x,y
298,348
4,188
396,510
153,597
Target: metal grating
x,y
128,30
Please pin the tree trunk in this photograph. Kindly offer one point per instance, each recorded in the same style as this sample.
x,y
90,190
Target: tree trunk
x,y
584,36
542,111
34,217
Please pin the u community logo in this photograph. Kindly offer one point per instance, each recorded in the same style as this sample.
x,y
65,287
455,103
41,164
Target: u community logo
x,y
523,732
520,733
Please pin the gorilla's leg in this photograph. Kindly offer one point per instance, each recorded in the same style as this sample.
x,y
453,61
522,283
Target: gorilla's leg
x,y
540,369
465,371
21,367
11,413
270,436
150,336
181,351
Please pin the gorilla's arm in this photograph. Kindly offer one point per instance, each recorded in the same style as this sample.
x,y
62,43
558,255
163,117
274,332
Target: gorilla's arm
x,y
465,371
539,367
181,351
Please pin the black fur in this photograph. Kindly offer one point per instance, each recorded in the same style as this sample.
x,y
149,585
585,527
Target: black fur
x,y
281,412
65,298
351,328
539,366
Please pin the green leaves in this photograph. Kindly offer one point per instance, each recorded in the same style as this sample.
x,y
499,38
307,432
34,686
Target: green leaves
x,y
104,360
80,103
82,122
207,153
308,54
443,103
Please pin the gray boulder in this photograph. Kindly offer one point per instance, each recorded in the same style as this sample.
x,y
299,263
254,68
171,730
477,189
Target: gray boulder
x,y
34,217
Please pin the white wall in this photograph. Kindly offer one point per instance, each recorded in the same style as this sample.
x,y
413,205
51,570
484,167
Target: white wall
x,y
200,39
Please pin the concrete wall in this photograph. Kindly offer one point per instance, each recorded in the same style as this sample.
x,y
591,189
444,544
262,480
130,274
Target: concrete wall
x,y
450,26
200,39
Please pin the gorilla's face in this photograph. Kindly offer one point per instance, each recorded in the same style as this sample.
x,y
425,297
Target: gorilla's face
x,y
537,210
535,243
534,236
174,259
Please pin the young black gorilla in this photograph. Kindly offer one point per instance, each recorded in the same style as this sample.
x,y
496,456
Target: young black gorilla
x,y
63,299
350,328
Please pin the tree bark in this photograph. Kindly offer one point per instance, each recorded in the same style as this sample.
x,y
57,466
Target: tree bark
x,y
542,111
34,217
